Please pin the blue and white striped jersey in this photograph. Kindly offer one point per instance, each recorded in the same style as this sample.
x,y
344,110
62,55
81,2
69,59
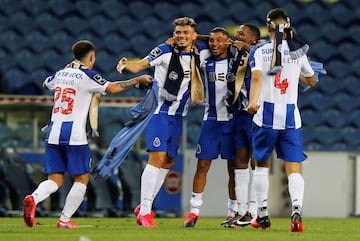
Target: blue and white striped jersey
x,y
73,89
279,93
160,58
217,71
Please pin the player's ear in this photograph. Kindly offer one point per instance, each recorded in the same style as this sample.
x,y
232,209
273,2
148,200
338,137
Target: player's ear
x,y
194,36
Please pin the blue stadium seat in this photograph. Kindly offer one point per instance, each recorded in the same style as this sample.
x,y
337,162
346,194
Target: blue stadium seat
x,y
352,137
38,42
141,10
314,12
11,40
76,25
102,26
154,28
62,8
335,119
343,15
352,83
113,9
330,86
63,41
54,60
5,24
128,26
15,78
339,69
9,8
347,51
322,50
165,11
28,60
212,6
141,45
48,23
346,103
312,118
328,137
190,9
87,9
342,34
310,33
105,62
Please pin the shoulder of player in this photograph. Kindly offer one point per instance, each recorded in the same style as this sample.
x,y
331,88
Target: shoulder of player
x,y
93,75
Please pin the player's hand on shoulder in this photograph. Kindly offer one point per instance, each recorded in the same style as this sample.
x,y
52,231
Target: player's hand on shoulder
x,y
121,64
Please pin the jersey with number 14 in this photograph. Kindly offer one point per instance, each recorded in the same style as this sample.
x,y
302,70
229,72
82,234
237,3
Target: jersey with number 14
x,y
73,89
279,93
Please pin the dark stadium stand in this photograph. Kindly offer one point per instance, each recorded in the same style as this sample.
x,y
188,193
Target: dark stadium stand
x,y
36,36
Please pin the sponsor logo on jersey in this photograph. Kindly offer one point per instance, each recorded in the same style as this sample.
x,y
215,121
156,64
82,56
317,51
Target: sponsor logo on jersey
x,y
99,79
155,52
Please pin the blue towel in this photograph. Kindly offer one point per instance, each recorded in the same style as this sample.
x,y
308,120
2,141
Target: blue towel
x,y
318,69
124,141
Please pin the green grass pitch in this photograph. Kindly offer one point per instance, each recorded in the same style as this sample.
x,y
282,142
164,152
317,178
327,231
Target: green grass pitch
x,y
170,229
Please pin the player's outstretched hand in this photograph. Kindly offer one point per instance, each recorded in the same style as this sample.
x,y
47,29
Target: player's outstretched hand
x,y
121,64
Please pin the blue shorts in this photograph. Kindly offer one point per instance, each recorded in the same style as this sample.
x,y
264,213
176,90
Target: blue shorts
x,y
288,144
65,158
216,138
164,134
243,124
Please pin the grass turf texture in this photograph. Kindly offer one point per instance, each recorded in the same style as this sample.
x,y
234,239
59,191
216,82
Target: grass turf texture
x,y
170,229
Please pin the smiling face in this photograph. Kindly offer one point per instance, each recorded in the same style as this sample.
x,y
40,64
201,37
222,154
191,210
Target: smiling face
x,y
218,44
184,37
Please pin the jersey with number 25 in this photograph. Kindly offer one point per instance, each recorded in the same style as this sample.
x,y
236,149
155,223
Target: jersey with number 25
x,y
73,89
279,93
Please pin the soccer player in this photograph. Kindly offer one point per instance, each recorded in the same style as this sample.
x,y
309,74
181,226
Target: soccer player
x,y
66,148
275,72
242,199
216,135
177,74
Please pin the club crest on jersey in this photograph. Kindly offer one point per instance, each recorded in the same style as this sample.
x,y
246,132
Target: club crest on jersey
x,y
230,77
98,78
155,52
156,142
173,75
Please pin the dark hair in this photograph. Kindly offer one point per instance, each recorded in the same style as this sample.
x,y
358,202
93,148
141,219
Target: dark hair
x,y
185,21
82,48
254,30
220,29
277,13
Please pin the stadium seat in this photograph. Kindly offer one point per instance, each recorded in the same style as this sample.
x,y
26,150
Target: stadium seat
x,y
346,102
87,9
128,26
112,9
311,118
140,10
38,42
347,51
209,8
314,12
352,138
154,28
105,63
76,25
352,83
48,23
54,60
335,118
322,50
342,15
310,33
15,78
328,137
102,26
330,86
63,41
342,34
141,45
61,8
11,40
28,60
339,69
165,11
